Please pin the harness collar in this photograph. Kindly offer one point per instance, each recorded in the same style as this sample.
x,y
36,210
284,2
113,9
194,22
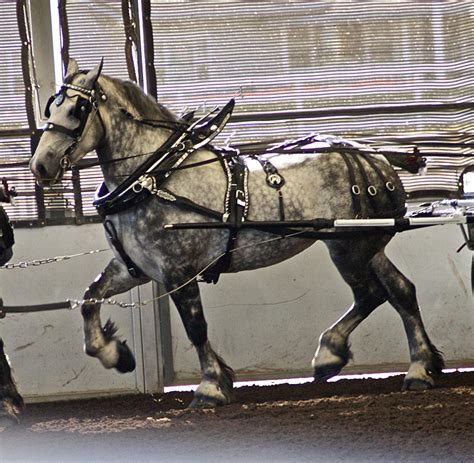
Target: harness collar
x,y
170,155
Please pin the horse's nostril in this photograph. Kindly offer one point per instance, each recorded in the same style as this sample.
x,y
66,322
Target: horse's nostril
x,y
41,170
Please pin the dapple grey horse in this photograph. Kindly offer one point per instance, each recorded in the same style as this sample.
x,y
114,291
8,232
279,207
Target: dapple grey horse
x,y
316,186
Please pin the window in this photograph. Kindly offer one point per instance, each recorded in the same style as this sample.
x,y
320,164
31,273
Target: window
x,y
14,128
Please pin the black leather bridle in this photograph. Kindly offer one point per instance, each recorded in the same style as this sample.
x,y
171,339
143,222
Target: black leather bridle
x,y
85,105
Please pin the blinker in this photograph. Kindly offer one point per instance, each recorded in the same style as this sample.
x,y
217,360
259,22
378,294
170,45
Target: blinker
x,y
59,99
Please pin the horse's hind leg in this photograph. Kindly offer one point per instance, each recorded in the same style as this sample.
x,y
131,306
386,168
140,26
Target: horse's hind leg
x,y
101,342
217,378
426,360
333,351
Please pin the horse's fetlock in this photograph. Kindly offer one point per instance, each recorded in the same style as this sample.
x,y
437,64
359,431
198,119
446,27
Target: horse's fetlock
x,y
91,351
333,340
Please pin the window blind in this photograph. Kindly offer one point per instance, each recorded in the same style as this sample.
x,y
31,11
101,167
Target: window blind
x,y
391,75
296,58
14,131
95,30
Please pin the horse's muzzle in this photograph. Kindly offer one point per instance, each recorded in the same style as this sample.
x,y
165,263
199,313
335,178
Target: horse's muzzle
x,y
43,176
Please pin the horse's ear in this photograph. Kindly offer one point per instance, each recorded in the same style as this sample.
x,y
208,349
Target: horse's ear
x,y
72,67
92,76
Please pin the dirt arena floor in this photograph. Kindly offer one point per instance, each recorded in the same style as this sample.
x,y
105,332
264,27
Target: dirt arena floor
x,y
350,421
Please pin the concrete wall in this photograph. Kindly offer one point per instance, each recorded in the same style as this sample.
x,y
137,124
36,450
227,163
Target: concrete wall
x,y
267,322
46,348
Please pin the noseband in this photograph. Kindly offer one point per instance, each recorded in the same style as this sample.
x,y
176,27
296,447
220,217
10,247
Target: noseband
x,y
82,110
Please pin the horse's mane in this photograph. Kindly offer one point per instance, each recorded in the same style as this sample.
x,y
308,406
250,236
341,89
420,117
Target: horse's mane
x,y
146,106
131,96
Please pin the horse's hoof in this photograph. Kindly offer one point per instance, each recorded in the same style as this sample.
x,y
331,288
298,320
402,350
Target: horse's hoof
x,y
325,372
8,414
7,421
202,402
414,384
126,360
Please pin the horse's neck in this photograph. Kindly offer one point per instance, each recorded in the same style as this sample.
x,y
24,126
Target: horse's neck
x,y
128,144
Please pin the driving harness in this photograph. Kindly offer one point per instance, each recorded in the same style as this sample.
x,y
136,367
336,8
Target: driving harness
x,y
148,178
187,137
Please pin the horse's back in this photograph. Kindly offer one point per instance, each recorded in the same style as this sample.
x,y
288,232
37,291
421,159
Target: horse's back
x,y
319,186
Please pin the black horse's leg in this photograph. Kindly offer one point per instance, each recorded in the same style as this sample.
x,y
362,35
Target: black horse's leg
x,y
217,378
426,360
333,351
11,402
101,342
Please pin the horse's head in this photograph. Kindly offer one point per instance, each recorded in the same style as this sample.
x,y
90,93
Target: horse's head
x,y
74,125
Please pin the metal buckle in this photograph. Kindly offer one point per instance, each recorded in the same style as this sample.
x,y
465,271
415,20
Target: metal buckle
x,y
355,190
274,179
240,198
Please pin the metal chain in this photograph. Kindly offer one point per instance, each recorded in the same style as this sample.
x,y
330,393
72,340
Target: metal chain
x,y
75,303
49,260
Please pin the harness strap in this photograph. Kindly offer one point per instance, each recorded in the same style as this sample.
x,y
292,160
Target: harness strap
x,y
238,205
132,268
370,189
186,203
355,189
389,187
49,126
274,180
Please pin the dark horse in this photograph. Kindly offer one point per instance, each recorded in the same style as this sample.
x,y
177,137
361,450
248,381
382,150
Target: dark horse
x,y
11,403
315,186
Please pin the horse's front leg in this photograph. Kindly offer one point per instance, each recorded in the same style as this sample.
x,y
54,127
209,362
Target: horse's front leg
x,y
216,387
101,342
